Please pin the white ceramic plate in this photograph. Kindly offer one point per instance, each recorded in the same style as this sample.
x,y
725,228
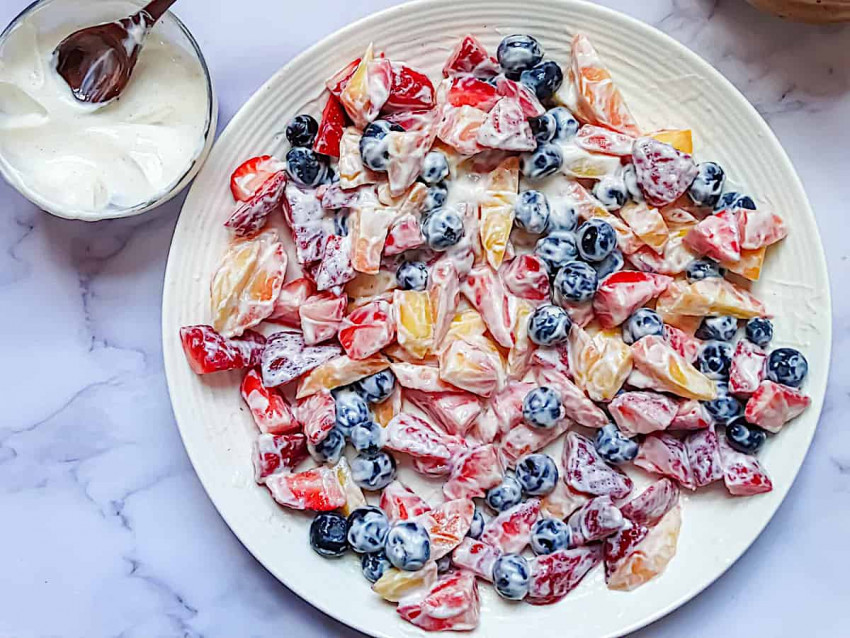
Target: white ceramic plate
x,y
667,86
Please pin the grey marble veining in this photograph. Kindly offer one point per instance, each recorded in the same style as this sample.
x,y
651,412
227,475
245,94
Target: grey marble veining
x,y
106,530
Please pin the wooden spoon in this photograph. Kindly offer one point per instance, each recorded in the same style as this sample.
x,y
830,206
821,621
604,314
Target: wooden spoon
x,y
97,61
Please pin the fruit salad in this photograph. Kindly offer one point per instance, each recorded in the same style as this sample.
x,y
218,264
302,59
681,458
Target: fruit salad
x,y
501,278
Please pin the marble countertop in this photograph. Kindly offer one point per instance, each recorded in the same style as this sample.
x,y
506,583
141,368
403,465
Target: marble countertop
x,y
107,530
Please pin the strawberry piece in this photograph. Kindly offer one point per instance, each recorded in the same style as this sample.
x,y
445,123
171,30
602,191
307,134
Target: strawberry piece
x,y
691,415
473,364
451,604
404,234
674,257
247,179
623,292
418,438
530,105
454,412
648,224
485,429
306,218
337,82
717,236
468,56
773,405
683,343
207,351
663,173
426,378
521,353
407,151
275,454
334,197
367,330
507,404
447,524
475,472
637,554
758,228
748,368
554,358
650,506
510,531
251,216
340,371
331,128
661,453
476,557
290,299
485,291
506,128
525,439
459,128
618,547
555,575
367,89
526,277
286,357
400,503
742,473
270,411
335,268
562,501
410,90
586,471
602,140
577,406
318,489
595,520
317,413
321,316
704,457
444,295
642,412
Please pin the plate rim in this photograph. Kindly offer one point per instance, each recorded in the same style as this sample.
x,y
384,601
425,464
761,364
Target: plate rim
x,y
705,67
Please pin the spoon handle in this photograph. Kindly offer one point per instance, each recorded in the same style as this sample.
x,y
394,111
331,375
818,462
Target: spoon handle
x,y
156,8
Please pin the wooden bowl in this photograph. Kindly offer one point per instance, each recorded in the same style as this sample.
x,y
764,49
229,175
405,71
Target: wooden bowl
x,y
813,11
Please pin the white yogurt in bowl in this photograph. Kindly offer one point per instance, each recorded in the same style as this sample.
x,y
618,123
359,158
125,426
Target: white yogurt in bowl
x,y
82,161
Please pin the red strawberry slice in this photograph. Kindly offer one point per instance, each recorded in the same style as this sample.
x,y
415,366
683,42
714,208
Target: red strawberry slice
x,y
759,228
410,90
742,473
321,316
650,506
418,438
455,412
506,128
292,297
207,351
269,409
275,454
317,414
555,575
773,405
586,471
622,544
691,415
451,604
485,291
470,91
525,439
526,277
331,128
253,173
663,173
475,472
601,140
306,218
748,368
642,412
469,56
620,294
338,80
318,489
510,531
682,342
405,234
251,216
335,268
703,452
595,520
577,406
447,525
286,357
400,503
477,557
528,101
717,236
661,453
367,330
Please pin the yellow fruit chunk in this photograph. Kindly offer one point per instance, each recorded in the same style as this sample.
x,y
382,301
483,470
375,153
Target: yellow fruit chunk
x,y
340,371
473,364
467,323
496,210
387,409
651,555
352,172
715,296
680,139
444,295
370,285
414,321
354,498
656,359
647,223
409,202
583,164
396,584
749,265
611,368
368,230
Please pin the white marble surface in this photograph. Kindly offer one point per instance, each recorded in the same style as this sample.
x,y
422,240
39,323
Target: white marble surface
x,y
106,530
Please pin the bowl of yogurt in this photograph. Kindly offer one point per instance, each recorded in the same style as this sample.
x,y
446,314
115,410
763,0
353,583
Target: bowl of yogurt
x,y
93,162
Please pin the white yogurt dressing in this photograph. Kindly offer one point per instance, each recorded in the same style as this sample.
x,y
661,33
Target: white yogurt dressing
x,y
78,159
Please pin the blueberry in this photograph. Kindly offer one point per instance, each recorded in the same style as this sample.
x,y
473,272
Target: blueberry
x,y
707,186
374,146
517,53
549,325
613,446
306,167
302,130
700,269
351,410
435,197
596,239
562,219
544,161
734,200
575,282
435,167
714,359
611,191
787,366
537,473
721,328
374,565
630,180
367,437
567,125
477,527
341,223
549,535
511,576
759,331
532,212
724,408
642,323
543,127
444,564
611,264
412,275
744,437
442,229
505,495
544,79
328,534
542,408
408,546
373,471
556,250
376,387
329,449
367,529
